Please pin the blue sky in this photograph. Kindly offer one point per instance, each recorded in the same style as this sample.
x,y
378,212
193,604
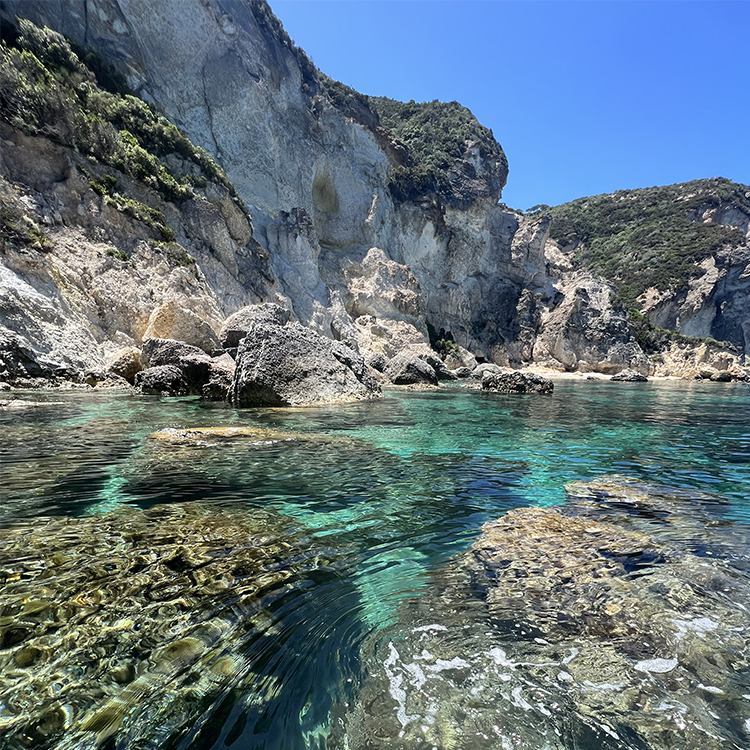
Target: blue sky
x,y
585,97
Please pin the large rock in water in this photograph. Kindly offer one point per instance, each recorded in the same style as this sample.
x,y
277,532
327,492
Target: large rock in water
x,y
516,382
210,377
292,365
407,368
616,622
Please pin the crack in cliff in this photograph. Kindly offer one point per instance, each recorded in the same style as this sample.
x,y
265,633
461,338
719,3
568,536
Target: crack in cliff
x,y
209,112
85,23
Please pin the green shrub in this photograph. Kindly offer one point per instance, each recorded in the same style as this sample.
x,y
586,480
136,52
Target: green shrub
x,y
118,253
654,340
436,135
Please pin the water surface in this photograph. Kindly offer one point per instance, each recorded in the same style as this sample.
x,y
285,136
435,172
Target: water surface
x,y
387,492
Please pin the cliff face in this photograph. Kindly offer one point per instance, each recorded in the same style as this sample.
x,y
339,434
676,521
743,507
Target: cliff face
x,y
367,223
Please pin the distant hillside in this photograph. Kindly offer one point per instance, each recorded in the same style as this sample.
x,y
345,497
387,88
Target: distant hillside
x,y
654,237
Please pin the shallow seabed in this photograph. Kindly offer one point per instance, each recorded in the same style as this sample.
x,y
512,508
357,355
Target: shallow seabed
x,y
356,519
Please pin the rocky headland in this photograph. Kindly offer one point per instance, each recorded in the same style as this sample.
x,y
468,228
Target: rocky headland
x,y
153,186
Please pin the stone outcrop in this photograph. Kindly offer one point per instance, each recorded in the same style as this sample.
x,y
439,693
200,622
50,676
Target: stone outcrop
x,y
170,321
586,332
629,376
210,377
125,362
236,326
161,380
409,369
292,365
516,382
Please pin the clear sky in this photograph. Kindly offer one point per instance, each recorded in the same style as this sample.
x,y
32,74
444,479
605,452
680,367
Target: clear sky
x,y
585,97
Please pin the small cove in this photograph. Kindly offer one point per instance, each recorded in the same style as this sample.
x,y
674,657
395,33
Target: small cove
x,y
374,499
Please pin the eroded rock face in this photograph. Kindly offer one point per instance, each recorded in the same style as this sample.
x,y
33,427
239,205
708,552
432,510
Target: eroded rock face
x,y
147,614
292,365
617,621
586,332
92,291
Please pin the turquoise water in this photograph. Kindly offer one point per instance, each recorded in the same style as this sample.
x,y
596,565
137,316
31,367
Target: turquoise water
x,y
391,490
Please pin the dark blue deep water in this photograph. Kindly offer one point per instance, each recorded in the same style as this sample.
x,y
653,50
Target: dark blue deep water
x,y
388,492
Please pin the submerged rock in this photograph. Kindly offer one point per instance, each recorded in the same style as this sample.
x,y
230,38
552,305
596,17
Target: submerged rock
x,y
198,435
598,624
131,624
516,382
292,365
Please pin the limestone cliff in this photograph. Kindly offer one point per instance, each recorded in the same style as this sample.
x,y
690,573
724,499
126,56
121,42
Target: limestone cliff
x,y
95,232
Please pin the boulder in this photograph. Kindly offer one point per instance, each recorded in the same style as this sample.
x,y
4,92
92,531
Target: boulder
x,y
203,375
462,372
629,376
221,372
516,382
170,321
126,363
377,361
193,363
408,369
437,364
163,380
479,371
290,365
722,376
236,326
460,357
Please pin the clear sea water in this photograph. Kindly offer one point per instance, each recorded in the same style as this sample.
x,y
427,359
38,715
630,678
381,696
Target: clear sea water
x,y
403,486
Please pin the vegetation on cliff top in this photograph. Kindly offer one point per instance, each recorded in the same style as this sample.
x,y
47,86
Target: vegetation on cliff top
x,y
436,135
46,89
652,237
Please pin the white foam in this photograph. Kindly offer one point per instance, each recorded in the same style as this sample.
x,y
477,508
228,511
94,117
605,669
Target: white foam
x,y
397,692
428,628
656,666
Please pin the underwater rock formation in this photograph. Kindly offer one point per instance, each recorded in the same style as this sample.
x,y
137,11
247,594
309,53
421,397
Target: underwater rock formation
x,y
617,621
130,625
